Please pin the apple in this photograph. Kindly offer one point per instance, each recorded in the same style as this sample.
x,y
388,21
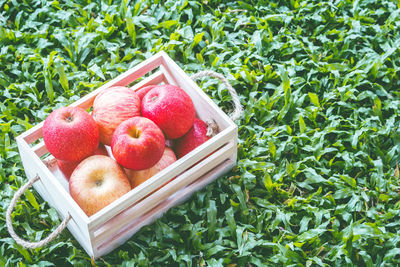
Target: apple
x,y
96,182
138,177
196,136
171,108
70,133
67,167
113,106
138,143
144,90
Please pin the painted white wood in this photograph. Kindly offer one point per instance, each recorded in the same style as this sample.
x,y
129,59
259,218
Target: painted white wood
x,y
40,149
155,78
58,174
32,134
163,193
174,200
161,178
168,76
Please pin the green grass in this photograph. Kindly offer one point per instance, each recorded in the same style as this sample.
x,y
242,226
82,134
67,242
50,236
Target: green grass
x,y
317,181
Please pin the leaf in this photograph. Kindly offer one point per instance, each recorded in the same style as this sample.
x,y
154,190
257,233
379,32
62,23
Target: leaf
x,y
285,84
62,76
96,70
197,38
24,252
302,125
130,26
212,218
272,148
49,86
242,200
230,218
268,182
314,99
167,24
31,198
351,181
257,40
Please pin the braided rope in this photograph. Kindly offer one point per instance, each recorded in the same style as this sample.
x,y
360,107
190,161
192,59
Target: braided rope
x,y
10,228
235,98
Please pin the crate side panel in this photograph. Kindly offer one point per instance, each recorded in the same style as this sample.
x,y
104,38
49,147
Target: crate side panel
x,y
186,178
157,212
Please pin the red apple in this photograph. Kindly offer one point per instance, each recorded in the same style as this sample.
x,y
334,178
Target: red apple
x,y
138,177
67,167
96,182
196,136
137,143
171,108
70,133
113,106
144,90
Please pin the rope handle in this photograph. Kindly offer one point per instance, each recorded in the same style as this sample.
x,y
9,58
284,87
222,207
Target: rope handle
x,y
10,228
237,113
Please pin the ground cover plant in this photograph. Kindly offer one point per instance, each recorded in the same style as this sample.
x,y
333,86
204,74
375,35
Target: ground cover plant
x,y
317,178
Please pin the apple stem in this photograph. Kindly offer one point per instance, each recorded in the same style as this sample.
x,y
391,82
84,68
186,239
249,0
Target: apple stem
x,y
135,133
212,128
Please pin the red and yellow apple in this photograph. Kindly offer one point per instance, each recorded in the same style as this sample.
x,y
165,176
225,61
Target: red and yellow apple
x,y
67,167
196,136
113,106
171,108
70,133
138,177
137,143
96,182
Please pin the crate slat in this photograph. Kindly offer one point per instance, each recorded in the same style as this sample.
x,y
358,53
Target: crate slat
x,y
155,78
168,76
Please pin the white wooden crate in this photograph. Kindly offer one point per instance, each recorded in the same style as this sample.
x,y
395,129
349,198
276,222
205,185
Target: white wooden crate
x,y
116,223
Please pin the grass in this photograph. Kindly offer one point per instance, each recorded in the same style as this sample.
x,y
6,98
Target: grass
x,y
317,178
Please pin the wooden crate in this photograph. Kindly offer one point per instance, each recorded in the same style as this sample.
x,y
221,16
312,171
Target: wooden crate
x,y
114,224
